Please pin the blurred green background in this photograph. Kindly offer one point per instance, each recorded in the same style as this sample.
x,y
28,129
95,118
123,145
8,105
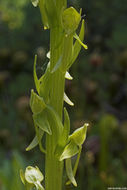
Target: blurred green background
x,y
99,91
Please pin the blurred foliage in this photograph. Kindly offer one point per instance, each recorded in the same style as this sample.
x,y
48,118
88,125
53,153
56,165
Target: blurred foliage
x,y
99,91
12,12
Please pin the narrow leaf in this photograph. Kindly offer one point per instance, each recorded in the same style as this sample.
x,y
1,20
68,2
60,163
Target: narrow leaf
x,y
67,100
35,141
78,39
77,45
66,129
33,144
76,165
36,81
42,122
70,150
63,139
68,76
70,172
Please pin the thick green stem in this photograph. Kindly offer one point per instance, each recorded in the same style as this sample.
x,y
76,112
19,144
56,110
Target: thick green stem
x,y
54,168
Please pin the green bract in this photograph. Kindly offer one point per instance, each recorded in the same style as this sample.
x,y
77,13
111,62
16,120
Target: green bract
x,y
47,100
37,103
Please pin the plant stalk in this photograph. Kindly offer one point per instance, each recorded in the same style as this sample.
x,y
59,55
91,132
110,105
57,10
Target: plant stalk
x,y
54,168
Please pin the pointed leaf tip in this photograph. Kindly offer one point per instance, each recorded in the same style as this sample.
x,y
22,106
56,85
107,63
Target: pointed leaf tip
x,y
67,100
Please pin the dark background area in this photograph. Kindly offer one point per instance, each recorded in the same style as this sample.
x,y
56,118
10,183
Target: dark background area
x,y
99,91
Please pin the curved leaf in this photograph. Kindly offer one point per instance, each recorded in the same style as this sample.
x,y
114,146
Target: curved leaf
x,y
77,45
70,172
35,141
76,165
36,81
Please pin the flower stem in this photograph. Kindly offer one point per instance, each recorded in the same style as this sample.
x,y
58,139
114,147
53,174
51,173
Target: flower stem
x,y
54,168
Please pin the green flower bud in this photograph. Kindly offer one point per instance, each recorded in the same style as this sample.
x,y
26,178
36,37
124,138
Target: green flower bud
x,y
70,20
79,135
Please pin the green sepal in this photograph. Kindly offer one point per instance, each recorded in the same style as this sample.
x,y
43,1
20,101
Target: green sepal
x,y
67,100
22,176
36,81
63,139
79,40
79,135
70,20
37,140
70,150
44,16
35,2
69,172
41,121
77,45
37,103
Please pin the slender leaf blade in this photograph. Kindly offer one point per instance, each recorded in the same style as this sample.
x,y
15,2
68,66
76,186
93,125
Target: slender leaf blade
x,y
69,172
36,81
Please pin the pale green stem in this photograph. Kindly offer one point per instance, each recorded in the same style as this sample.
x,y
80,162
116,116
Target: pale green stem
x,y
54,168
